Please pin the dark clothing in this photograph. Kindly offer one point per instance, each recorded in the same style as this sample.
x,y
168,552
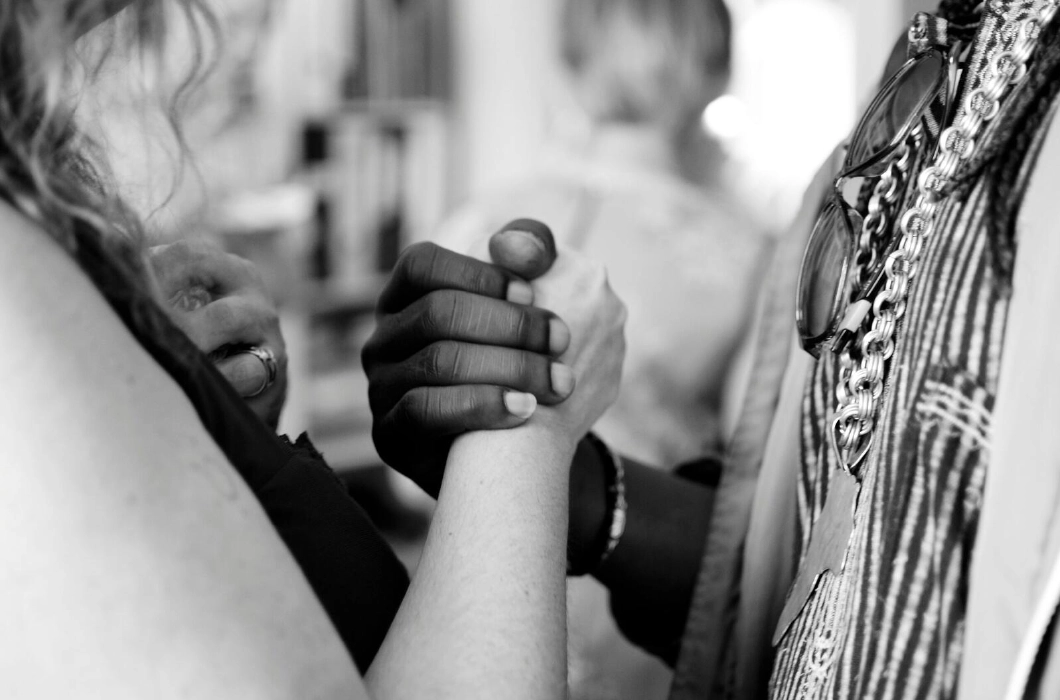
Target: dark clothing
x,y
353,571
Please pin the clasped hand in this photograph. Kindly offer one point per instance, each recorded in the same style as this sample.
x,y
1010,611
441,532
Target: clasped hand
x,y
462,345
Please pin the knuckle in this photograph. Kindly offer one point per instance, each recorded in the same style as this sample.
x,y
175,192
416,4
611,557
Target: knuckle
x,y
418,260
522,325
412,408
440,314
429,368
223,316
427,318
438,362
470,405
454,361
482,279
530,371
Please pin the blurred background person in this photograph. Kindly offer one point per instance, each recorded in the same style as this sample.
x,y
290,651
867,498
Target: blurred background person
x,y
331,133
638,190
635,192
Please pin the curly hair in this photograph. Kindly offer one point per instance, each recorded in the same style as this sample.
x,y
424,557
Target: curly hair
x,y
49,169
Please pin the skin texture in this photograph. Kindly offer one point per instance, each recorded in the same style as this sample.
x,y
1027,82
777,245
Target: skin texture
x,y
132,550
652,572
455,338
506,491
139,557
220,302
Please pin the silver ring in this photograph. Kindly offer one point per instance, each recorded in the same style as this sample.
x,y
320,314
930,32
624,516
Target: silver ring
x,y
272,369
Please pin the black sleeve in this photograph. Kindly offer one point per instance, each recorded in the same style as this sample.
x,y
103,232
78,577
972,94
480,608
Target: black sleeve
x,y
353,571
653,572
357,578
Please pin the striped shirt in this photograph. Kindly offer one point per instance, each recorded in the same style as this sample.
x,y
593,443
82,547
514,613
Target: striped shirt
x,y
891,624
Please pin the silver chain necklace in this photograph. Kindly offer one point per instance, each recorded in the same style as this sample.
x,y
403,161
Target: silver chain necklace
x,y
861,381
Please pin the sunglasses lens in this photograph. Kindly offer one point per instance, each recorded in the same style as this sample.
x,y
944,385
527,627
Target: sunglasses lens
x,y
907,97
823,278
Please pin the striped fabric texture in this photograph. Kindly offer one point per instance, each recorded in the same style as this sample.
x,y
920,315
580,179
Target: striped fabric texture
x,y
891,625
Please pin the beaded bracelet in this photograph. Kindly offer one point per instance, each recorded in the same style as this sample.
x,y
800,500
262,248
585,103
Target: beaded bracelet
x,y
615,526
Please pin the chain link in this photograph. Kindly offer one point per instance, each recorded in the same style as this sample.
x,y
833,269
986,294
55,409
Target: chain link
x,y
877,221
884,197
861,381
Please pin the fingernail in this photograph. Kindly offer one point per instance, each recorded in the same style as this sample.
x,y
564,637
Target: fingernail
x,y
525,247
519,292
558,336
520,405
531,227
562,379
525,242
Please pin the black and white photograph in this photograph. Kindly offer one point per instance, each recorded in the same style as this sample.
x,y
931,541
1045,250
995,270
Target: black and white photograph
x,y
529,349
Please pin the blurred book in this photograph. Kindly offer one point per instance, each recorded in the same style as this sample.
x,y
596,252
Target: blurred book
x,y
401,50
391,184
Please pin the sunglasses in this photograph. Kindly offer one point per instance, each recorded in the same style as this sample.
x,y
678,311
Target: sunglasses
x,y
835,292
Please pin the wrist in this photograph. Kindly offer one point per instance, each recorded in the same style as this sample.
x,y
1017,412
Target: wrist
x,y
553,443
550,451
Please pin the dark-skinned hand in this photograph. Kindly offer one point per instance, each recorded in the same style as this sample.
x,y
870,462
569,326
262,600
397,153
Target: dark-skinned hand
x,y
458,347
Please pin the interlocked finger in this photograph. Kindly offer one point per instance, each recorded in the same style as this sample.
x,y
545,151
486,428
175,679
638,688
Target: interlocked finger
x,y
450,363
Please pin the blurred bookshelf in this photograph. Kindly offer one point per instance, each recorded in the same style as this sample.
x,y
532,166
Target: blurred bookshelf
x,y
401,50
378,162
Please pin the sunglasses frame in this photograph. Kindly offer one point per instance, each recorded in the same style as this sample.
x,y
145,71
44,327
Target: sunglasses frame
x,y
944,84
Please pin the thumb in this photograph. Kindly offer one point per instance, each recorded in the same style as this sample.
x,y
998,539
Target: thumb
x,y
524,247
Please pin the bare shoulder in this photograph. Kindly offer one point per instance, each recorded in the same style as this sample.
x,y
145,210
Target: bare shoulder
x,y
66,354
135,553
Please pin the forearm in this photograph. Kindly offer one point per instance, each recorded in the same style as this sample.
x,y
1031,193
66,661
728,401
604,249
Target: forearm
x,y
652,573
485,615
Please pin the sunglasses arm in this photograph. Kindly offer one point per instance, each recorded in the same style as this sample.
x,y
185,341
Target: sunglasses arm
x,y
848,327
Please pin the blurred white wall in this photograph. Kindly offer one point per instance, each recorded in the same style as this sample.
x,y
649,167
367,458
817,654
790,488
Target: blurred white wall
x,y
503,61
305,55
794,72
877,25
802,67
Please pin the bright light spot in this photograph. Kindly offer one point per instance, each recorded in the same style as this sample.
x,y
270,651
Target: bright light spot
x,y
726,117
